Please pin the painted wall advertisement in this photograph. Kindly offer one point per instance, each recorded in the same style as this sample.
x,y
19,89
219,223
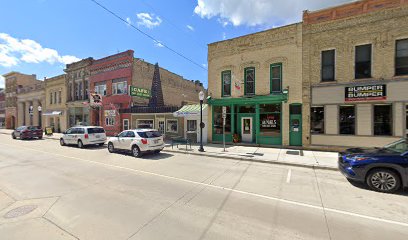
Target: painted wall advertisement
x,y
366,93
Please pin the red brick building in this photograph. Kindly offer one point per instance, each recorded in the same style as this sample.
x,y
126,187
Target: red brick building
x,y
111,77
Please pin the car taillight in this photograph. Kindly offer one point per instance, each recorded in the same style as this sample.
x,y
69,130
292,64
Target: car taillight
x,y
86,136
144,141
25,131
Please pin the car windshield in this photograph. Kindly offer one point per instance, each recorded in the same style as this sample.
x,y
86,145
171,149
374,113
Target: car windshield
x,y
96,130
150,134
400,146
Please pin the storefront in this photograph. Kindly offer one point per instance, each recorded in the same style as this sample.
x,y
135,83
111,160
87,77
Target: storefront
x,y
257,120
78,116
166,123
190,115
369,114
55,119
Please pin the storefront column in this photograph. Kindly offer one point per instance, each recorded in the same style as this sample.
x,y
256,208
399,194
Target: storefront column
x,y
35,113
364,113
233,117
20,114
256,123
331,119
398,119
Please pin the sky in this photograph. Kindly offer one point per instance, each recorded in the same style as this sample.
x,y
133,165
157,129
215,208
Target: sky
x,y
41,36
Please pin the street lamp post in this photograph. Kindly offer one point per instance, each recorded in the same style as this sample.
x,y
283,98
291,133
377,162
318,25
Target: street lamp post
x,y
30,112
39,116
202,125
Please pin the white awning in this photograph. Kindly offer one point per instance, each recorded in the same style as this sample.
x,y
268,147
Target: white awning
x,y
52,113
190,110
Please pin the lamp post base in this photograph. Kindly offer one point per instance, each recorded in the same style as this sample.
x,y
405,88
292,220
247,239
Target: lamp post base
x,y
201,149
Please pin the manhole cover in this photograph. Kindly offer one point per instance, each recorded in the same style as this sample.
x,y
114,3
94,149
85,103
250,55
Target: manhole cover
x,y
20,211
292,152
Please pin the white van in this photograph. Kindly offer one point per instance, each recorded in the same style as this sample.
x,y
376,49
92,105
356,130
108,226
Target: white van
x,y
82,136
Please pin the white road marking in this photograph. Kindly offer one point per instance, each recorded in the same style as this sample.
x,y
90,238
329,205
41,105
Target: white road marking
x,y
295,203
289,176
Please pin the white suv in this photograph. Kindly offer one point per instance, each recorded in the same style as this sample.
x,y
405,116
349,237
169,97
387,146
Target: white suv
x,y
138,141
81,136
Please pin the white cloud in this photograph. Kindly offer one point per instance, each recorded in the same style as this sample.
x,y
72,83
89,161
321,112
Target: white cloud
x,y
2,83
13,51
190,27
224,36
204,65
259,12
148,20
158,44
128,21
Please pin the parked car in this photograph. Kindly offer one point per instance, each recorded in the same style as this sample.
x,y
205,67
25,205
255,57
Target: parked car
x,y
27,132
83,135
382,169
138,141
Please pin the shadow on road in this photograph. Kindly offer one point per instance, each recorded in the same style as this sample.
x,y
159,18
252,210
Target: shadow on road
x,y
146,156
401,192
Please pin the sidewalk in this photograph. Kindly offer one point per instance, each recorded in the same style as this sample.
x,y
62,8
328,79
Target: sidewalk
x,y
300,158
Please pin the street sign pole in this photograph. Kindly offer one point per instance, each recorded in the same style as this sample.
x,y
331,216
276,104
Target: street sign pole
x,y
224,116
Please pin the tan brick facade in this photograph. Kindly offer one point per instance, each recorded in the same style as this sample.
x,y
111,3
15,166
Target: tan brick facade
x,y
55,111
377,22
260,50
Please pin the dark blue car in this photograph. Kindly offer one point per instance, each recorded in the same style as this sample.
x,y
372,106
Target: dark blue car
x,y
382,169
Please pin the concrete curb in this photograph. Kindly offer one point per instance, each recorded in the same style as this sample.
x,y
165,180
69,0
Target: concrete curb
x,y
246,159
253,160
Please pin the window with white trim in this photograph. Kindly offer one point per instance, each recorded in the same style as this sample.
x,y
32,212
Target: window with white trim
x,y
100,89
119,88
145,123
110,121
172,126
191,125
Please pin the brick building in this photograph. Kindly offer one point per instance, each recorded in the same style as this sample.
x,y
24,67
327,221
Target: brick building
x,y
15,81
2,108
77,92
355,73
258,78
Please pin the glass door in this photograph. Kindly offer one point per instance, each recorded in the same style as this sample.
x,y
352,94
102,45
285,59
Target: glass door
x,y
161,126
246,129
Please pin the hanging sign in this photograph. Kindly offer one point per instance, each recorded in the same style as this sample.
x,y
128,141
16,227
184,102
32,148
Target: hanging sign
x,y
224,112
139,92
366,93
110,113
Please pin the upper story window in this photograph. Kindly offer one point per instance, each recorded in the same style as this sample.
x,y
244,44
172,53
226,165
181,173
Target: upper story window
x,y
328,65
226,83
86,90
276,78
59,96
401,57
50,97
55,97
119,87
100,89
363,61
250,81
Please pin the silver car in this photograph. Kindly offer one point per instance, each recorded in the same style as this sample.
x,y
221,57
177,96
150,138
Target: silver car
x,y
82,136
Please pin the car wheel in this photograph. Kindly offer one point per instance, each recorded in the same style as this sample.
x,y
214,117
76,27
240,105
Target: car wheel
x,y
157,151
111,148
136,152
62,143
13,136
40,137
80,144
383,180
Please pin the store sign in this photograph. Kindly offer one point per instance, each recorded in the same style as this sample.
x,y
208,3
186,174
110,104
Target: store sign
x,y
110,113
139,92
269,122
366,93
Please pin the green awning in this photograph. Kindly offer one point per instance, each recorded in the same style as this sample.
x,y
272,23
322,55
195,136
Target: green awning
x,y
190,110
273,98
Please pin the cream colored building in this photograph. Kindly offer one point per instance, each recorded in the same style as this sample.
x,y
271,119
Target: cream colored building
x,y
355,73
258,78
30,102
55,112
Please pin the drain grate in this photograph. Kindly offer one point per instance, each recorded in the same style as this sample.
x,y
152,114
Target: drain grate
x,y
20,211
292,152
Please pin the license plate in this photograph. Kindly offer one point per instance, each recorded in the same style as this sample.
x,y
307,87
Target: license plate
x,y
156,141
97,136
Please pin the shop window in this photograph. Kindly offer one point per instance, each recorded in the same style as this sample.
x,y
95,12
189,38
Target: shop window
x,y
125,124
218,121
110,121
383,120
250,81
363,61
401,57
191,125
226,83
172,126
347,120
270,120
119,88
247,109
55,97
59,96
317,120
146,123
50,97
276,78
328,65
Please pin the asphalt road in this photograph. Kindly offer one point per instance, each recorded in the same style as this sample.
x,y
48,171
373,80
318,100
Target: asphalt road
x,y
53,192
